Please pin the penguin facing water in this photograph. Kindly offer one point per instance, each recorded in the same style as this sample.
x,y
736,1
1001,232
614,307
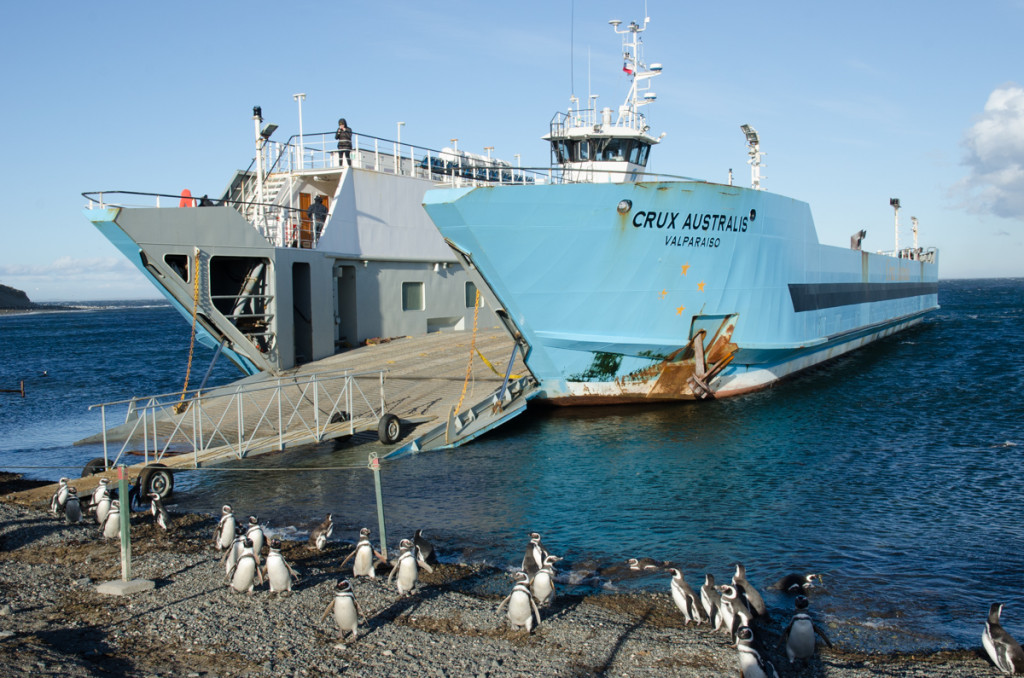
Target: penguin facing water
x,y
534,557
364,554
796,583
94,498
255,532
101,505
754,600
711,600
1000,646
543,585
346,611
160,514
224,533
59,497
685,598
734,610
424,549
522,609
799,634
321,533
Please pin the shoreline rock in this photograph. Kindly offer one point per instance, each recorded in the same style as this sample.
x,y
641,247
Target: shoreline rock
x,y
52,618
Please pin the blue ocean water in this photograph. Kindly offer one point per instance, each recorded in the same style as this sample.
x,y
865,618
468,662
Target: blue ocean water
x,y
896,471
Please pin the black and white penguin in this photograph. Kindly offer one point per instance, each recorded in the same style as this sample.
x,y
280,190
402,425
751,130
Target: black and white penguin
x,y
424,549
72,507
522,609
224,533
543,585
255,532
244,575
796,583
799,634
346,611
278,573
234,552
59,497
102,505
646,564
534,557
160,515
1002,649
733,608
752,664
111,526
364,554
685,598
407,568
321,533
754,600
710,600
94,499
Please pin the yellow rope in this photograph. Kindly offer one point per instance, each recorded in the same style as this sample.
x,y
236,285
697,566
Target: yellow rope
x,y
472,348
493,368
192,343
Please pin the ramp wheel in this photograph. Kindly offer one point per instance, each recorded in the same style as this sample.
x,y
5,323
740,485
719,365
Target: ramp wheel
x,y
156,478
389,430
97,465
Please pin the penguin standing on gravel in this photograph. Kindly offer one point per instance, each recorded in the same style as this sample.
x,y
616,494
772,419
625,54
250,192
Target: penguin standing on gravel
x,y
59,497
255,532
424,549
244,574
234,552
72,507
224,533
101,504
346,611
543,585
1002,649
277,571
94,499
754,600
160,515
521,607
685,598
534,557
799,634
364,553
111,527
407,568
733,608
711,600
321,533
752,664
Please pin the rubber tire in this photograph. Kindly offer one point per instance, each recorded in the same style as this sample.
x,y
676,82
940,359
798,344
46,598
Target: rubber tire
x,y
389,430
156,478
97,465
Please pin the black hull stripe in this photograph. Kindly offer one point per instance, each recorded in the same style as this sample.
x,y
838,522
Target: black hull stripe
x,y
813,297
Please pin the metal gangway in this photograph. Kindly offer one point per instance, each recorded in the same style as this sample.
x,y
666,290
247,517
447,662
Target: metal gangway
x,y
188,429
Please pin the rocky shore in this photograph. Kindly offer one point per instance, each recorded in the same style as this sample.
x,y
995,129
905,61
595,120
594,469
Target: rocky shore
x,y
53,620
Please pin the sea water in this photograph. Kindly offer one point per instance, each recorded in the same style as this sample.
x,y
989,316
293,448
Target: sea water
x,y
896,471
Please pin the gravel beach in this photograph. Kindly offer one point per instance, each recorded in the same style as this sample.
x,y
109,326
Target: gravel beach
x,y
53,620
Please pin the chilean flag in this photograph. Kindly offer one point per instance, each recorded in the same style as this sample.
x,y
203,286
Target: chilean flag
x,y
626,69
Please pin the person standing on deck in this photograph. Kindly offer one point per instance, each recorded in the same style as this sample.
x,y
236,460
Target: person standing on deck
x,y
317,213
344,137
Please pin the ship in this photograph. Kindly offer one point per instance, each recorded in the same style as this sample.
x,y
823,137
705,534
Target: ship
x,y
622,286
267,282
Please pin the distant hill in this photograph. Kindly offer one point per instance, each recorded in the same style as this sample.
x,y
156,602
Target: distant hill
x,y
11,298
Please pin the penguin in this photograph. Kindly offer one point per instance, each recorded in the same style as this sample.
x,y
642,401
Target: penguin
x,y
255,532
796,583
346,611
711,600
244,574
111,527
733,609
101,489
364,553
278,573
72,507
799,634
543,585
224,533
102,506
754,600
407,568
160,515
424,549
321,533
234,552
646,564
521,607
533,560
685,599
59,497
752,665
1002,649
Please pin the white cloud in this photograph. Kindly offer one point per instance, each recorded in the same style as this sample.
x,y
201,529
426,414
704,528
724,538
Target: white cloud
x,y
994,152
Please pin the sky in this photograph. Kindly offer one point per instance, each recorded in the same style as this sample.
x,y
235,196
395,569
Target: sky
x,y
855,103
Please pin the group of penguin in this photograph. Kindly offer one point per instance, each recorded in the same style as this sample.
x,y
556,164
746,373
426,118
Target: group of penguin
x,y
104,505
731,608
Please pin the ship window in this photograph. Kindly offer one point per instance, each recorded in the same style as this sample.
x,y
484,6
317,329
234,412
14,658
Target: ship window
x,y
179,264
634,153
583,150
412,296
470,295
614,150
561,151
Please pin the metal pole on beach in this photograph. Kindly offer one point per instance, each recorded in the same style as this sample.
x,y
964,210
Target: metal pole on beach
x,y
125,515
375,467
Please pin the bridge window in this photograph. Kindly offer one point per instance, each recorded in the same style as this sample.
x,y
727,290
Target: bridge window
x,y
412,296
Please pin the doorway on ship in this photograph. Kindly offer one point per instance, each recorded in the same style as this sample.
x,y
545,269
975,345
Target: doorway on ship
x,y
346,331
306,238
302,313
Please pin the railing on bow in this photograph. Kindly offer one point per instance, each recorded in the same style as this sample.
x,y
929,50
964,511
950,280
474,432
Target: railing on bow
x,y
246,418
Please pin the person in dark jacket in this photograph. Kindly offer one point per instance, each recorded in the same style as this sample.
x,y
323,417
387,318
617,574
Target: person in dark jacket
x,y
344,137
317,213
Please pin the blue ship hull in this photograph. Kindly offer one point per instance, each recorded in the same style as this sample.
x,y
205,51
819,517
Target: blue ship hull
x,y
673,290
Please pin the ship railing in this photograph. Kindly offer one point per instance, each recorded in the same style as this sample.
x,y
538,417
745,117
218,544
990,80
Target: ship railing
x,y
246,418
927,255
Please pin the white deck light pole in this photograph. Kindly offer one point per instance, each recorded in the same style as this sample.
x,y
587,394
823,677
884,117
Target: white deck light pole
x,y
300,97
